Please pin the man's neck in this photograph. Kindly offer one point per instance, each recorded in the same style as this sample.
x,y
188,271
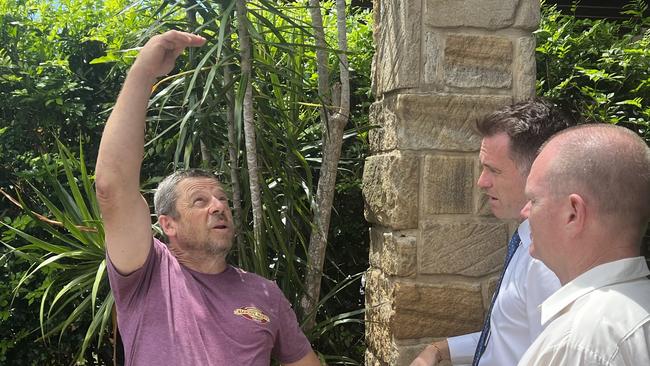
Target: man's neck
x,y
200,260
600,254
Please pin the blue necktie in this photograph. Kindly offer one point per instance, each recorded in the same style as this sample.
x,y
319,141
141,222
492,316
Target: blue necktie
x,y
513,244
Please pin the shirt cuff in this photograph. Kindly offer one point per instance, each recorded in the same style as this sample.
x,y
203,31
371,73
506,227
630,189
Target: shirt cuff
x,y
462,348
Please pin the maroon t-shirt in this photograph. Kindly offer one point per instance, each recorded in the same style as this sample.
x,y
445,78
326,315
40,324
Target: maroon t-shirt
x,y
171,315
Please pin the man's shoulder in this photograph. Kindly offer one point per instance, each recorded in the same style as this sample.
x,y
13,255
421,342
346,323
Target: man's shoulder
x,y
251,278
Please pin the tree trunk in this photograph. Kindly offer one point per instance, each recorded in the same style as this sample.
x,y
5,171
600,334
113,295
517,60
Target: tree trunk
x,y
333,125
249,123
232,150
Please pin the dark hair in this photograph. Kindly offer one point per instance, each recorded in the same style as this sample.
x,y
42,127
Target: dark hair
x,y
528,124
164,200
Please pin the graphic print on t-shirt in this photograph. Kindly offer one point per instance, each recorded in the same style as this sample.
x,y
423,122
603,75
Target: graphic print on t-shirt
x,y
252,313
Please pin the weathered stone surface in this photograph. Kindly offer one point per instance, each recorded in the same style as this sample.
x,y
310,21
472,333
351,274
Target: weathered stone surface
x,y
390,189
371,360
478,61
447,186
432,57
489,286
396,63
528,15
407,353
379,302
394,253
465,248
383,114
490,14
525,73
439,121
436,310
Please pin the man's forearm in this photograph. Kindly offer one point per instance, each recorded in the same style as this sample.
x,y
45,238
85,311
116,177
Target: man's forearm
x,y
122,146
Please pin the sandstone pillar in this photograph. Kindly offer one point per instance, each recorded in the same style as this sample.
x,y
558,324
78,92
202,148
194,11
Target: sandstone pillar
x,y
435,249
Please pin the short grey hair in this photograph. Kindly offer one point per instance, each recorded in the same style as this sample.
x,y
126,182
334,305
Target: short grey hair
x,y
611,163
164,200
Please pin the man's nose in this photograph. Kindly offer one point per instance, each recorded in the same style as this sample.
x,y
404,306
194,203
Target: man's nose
x,y
216,206
484,180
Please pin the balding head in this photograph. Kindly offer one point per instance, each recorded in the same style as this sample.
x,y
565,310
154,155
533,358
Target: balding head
x,y
609,165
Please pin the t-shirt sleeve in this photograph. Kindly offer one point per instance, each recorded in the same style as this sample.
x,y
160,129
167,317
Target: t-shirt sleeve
x,y
462,348
126,288
290,344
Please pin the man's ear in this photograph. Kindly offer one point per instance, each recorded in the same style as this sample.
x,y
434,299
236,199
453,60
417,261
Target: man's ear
x,y
577,213
167,225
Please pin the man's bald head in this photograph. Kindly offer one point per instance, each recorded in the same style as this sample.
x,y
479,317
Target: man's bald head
x,y
610,165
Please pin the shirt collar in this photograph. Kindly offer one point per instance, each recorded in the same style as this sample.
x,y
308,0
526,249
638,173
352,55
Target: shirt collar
x,y
600,276
524,234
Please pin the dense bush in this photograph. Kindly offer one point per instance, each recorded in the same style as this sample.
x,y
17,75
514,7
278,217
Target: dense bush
x,y
52,90
599,70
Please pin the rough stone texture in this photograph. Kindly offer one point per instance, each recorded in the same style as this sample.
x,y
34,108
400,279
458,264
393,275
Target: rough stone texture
x,y
465,248
490,14
447,185
383,114
390,189
528,15
371,360
394,253
436,310
396,63
432,274
524,73
379,298
439,121
489,286
478,61
431,57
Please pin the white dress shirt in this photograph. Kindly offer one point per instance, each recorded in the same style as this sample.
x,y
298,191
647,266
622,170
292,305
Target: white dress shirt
x,y
600,318
515,320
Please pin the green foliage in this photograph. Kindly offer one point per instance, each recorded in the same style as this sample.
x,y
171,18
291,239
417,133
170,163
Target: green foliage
x,y
190,111
61,71
66,275
598,69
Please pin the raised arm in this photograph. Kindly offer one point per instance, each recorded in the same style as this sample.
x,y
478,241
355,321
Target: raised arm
x,y
124,210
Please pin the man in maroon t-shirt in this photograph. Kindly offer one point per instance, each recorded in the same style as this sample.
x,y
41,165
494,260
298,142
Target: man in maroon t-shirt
x,y
181,304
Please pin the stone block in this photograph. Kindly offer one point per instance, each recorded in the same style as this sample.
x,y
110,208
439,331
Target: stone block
x,y
379,310
397,61
393,253
473,61
464,248
528,15
436,310
525,73
382,114
431,57
438,121
490,14
390,189
447,185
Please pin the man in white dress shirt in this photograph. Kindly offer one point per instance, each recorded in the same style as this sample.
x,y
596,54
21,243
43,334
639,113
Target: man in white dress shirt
x,y
511,138
589,206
